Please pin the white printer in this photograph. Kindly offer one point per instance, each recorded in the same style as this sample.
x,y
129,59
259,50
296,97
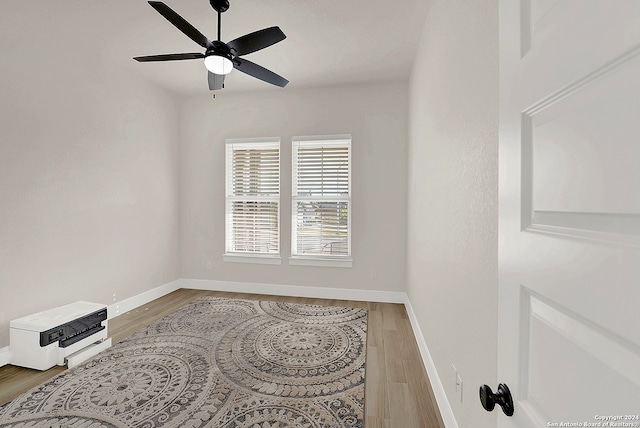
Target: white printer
x,y
68,334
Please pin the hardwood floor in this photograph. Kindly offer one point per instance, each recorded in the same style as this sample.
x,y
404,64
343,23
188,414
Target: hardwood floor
x,y
397,390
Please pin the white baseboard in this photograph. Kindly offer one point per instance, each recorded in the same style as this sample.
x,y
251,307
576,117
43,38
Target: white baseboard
x,y
5,356
295,290
436,384
141,299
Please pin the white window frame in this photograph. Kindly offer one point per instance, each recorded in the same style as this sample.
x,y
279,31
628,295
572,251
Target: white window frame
x,y
315,259
249,257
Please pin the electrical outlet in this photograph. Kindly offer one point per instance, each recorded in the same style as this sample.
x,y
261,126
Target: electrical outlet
x,y
209,265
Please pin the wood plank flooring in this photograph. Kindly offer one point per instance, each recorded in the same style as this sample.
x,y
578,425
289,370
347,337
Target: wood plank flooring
x,y
397,390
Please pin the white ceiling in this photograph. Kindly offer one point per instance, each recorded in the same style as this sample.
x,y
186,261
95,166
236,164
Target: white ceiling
x,y
329,42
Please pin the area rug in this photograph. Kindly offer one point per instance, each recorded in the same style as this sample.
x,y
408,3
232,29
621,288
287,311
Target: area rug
x,y
215,363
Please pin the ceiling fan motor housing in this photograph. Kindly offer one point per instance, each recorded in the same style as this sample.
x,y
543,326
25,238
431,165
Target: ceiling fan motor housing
x,y
220,5
220,49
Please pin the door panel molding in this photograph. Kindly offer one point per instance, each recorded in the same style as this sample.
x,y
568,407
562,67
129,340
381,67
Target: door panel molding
x,y
533,17
617,353
613,226
525,27
551,338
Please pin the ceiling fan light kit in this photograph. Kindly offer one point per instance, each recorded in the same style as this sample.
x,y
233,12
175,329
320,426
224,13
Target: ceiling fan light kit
x,y
221,58
218,64
218,59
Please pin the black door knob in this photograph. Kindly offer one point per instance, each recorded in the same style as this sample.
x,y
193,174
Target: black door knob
x,y
501,398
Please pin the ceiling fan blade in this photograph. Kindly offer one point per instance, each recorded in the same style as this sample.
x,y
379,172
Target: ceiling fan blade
x,y
169,57
216,81
181,24
259,72
257,40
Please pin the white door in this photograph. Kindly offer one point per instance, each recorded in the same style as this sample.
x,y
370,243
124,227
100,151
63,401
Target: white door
x,y
569,230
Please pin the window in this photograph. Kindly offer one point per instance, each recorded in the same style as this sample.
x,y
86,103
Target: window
x,y
253,200
321,203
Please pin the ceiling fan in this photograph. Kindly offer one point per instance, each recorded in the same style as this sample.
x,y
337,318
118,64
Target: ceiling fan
x,y
219,57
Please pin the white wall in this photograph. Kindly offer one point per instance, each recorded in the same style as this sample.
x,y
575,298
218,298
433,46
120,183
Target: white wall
x,y
452,216
89,160
375,115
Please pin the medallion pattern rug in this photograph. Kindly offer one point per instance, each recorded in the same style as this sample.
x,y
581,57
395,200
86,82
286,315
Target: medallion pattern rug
x,y
215,362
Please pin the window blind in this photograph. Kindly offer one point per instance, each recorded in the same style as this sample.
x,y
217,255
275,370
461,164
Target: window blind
x,y
321,197
253,197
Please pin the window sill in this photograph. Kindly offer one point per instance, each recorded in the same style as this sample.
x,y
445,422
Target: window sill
x,y
320,261
241,258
